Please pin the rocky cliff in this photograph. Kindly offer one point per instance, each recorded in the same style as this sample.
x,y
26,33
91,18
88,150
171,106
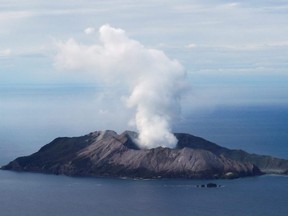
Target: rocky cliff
x,y
109,154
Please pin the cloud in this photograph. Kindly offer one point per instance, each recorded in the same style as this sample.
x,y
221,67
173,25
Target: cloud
x,y
89,30
231,5
153,82
191,46
246,47
10,15
5,52
206,7
30,13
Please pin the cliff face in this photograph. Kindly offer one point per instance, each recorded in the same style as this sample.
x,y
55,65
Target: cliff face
x,y
109,154
266,164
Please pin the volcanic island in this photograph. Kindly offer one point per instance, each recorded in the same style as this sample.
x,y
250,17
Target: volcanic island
x,y
108,154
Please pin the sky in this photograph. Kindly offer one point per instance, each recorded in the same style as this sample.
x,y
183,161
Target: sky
x,y
233,52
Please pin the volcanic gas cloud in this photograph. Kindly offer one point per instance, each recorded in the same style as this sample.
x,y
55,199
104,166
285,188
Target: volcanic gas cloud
x,y
153,81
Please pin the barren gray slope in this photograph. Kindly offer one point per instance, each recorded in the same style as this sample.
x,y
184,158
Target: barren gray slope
x,y
109,154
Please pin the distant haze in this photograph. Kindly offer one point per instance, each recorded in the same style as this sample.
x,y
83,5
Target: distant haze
x,y
154,82
234,52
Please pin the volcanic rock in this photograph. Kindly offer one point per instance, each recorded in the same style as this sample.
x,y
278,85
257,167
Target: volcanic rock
x,y
106,153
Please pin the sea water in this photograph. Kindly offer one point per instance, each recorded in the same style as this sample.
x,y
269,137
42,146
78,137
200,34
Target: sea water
x,y
32,116
40,194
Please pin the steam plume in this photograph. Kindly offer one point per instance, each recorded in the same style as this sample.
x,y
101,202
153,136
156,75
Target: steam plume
x,y
153,81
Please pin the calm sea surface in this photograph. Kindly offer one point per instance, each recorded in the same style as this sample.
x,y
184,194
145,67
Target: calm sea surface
x,y
38,194
31,116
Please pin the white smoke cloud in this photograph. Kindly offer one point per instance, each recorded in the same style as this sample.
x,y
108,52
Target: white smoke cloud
x,y
153,81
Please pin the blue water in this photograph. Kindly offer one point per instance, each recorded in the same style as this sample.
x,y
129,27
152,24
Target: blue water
x,y
31,116
37,194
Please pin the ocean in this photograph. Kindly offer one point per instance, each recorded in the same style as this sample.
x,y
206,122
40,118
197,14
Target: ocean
x,y
31,116
40,194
